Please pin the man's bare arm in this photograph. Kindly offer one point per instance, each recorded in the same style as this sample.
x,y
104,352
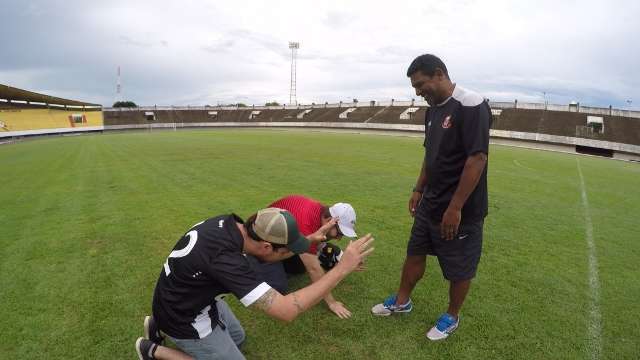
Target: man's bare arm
x,y
288,307
422,178
315,271
471,173
266,300
416,195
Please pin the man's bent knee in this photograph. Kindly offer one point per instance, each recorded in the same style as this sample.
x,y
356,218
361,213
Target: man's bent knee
x,y
239,336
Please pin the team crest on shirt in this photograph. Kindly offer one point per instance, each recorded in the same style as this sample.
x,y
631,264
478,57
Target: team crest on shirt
x,y
447,122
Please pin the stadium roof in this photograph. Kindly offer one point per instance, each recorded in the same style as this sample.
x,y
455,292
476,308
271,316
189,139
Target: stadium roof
x,y
14,94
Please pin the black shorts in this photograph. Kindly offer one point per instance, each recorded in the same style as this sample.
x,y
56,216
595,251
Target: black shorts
x,y
458,257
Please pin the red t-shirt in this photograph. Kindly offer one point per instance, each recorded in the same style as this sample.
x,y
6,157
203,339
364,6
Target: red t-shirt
x,y
306,211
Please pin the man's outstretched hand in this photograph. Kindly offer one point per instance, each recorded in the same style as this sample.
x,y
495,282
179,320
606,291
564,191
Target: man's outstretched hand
x,y
356,252
340,310
321,234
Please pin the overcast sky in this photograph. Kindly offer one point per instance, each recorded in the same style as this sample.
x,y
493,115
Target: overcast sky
x,y
193,52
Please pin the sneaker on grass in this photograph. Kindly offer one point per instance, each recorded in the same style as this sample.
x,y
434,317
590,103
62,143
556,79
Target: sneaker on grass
x,y
389,307
444,327
151,331
145,349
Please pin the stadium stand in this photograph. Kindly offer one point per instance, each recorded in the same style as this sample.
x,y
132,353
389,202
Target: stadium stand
x,y
273,115
391,115
345,113
301,115
323,115
574,126
362,114
618,129
374,114
611,131
24,113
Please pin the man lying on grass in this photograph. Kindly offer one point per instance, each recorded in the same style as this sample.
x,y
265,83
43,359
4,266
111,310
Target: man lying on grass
x,y
208,261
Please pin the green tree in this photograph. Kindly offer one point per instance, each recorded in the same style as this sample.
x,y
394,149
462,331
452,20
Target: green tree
x,y
272,103
124,104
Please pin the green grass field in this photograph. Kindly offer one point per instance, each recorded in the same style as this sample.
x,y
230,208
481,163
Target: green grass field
x,y
87,222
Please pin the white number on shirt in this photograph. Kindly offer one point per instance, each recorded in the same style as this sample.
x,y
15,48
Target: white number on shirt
x,y
193,237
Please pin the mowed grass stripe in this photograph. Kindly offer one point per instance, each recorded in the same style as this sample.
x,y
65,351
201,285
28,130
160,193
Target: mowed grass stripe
x,y
613,189
116,204
44,263
595,346
531,251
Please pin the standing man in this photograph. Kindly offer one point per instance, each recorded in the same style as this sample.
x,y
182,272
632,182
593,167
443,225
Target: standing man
x,y
314,220
449,200
209,261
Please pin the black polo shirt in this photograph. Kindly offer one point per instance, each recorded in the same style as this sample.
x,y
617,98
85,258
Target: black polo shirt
x,y
455,130
205,263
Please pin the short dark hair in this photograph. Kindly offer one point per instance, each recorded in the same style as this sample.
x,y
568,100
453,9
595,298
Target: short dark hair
x,y
248,225
326,213
427,64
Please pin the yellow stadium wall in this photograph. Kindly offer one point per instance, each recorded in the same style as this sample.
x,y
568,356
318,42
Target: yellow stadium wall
x,y
33,119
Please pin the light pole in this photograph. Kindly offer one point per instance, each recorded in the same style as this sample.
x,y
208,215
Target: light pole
x,y
294,46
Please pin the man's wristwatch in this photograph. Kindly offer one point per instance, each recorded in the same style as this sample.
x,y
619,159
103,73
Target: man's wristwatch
x,y
415,189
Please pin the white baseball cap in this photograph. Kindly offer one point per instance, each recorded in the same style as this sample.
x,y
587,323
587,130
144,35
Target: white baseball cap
x,y
346,218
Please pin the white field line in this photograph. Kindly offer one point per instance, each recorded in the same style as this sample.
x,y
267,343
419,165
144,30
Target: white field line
x,y
595,319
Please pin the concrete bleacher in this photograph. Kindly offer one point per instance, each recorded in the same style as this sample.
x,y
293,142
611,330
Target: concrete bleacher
x,y
323,115
622,129
27,119
558,123
559,126
134,116
362,114
529,124
375,114
25,113
563,123
273,115
118,117
391,115
304,113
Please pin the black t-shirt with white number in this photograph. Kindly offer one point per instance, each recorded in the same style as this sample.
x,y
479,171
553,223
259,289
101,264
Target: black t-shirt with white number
x,y
455,130
205,263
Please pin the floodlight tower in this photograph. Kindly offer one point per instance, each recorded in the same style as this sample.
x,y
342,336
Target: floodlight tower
x,y
294,46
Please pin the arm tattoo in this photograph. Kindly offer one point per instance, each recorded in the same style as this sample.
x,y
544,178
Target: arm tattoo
x,y
265,301
296,302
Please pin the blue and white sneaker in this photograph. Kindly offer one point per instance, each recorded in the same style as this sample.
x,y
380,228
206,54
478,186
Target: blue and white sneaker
x,y
389,307
444,327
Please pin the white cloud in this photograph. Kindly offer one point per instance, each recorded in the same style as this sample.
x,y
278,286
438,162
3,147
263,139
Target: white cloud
x,y
196,52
